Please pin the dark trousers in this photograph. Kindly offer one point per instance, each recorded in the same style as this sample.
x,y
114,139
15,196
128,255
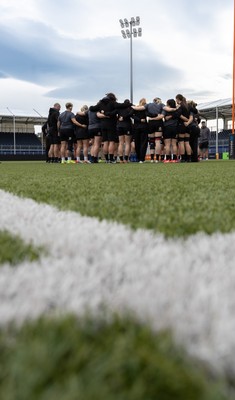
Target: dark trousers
x,y
141,143
194,134
48,145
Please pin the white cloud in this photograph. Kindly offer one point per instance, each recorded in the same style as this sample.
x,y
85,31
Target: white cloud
x,y
26,96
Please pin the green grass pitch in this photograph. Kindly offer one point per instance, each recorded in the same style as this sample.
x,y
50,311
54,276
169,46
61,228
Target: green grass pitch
x,y
174,199
66,358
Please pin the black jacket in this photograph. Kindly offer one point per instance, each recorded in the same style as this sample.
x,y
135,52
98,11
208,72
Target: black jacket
x,y
108,107
52,119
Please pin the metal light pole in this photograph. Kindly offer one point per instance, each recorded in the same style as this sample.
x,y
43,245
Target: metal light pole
x,y
233,89
41,126
217,135
128,34
14,129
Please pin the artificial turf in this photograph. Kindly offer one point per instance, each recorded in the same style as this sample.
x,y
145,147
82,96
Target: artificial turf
x,y
13,250
174,199
66,358
93,358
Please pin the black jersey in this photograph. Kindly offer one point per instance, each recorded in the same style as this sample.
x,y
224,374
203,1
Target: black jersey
x,y
82,119
124,117
108,107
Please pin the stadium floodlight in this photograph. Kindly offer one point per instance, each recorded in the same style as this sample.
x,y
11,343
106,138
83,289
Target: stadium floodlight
x,y
14,129
139,32
121,23
135,32
124,34
133,21
128,33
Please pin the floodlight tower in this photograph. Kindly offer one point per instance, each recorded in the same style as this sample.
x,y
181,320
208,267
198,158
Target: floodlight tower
x,y
233,80
128,34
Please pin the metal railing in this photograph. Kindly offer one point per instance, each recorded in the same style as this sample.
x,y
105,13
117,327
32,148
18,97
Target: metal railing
x,y
21,149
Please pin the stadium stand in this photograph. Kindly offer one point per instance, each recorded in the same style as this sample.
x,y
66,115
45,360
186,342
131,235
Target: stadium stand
x,y
17,134
22,138
223,142
218,110
25,143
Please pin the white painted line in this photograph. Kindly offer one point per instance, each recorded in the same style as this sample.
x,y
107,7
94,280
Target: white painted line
x,y
185,285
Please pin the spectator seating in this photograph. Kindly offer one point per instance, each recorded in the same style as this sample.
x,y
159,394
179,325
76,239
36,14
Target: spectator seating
x,y
21,138
25,143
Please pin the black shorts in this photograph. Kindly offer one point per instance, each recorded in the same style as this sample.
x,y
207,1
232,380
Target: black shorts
x,y
121,131
170,132
67,135
155,126
94,132
204,145
81,134
54,137
182,129
109,135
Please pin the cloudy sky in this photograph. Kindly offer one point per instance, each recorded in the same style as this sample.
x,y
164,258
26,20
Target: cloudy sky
x,y
73,50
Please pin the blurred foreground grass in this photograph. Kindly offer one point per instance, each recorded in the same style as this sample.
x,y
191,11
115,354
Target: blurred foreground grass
x,y
90,358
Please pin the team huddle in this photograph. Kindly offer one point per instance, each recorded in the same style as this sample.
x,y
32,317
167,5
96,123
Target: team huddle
x,y
123,131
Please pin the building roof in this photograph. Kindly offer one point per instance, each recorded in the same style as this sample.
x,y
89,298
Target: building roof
x,y
210,109
24,117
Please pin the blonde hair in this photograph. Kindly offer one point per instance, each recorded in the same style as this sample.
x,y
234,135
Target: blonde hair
x,y
142,102
84,108
157,100
192,103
